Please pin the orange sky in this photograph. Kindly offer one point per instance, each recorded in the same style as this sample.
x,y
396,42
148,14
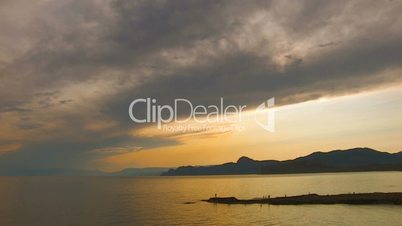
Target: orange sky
x,y
365,119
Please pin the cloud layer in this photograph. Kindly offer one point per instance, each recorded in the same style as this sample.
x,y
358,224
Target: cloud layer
x,y
69,69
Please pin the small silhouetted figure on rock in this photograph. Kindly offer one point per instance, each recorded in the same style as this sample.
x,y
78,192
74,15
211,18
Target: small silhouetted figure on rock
x,y
215,195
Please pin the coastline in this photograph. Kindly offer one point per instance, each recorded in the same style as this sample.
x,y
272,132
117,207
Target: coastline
x,y
394,198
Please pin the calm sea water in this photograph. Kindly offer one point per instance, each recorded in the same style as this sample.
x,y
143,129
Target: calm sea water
x,y
161,200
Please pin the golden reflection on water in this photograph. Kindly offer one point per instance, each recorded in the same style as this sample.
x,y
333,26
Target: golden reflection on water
x,y
161,200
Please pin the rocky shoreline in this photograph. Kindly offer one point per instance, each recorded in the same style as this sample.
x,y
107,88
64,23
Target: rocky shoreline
x,y
352,198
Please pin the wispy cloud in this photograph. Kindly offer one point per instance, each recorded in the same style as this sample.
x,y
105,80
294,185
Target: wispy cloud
x,y
116,150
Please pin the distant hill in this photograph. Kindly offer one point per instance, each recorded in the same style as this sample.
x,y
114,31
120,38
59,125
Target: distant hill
x,y
356,159
139,172
79,172
351,160
244,165
50,172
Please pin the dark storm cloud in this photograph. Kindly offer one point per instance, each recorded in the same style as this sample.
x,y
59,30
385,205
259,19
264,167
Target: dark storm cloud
x,y
246,78
69,67
67,153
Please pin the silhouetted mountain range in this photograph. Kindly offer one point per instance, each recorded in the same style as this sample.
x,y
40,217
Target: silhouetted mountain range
x,y
151,171
81,172
351,160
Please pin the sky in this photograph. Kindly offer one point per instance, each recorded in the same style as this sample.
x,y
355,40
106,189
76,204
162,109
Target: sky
x,y
70,69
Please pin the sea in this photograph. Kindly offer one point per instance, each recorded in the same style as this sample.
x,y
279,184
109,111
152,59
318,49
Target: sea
x,y
40,200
